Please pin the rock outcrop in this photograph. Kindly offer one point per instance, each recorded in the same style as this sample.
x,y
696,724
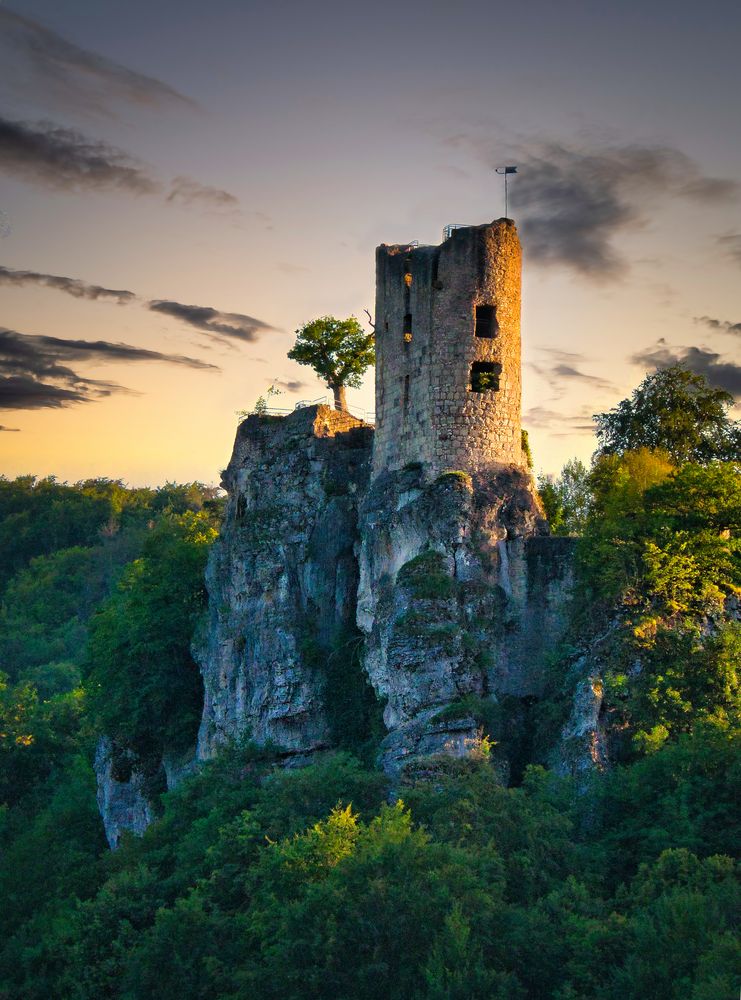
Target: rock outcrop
x,y
454,583
123,801
282,578
127,792
583,744
462,594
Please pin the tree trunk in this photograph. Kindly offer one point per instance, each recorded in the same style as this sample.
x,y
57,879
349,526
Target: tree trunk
x,y
340,403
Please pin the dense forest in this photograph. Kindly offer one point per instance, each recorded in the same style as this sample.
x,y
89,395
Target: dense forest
x,y
260,882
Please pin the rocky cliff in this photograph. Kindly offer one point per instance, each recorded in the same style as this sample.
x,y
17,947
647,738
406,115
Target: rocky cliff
x,y
450,587
455,585
462,594
282,578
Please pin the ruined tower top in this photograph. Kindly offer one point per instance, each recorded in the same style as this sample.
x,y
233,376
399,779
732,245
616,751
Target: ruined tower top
x,y
448,382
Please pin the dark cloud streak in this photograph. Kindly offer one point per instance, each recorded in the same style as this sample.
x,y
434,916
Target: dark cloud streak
x,y
572,201
71,286
26,393
291,385
213,322
47,65
63,158
562,370
721,374
719,325
730,245
186,191
35,370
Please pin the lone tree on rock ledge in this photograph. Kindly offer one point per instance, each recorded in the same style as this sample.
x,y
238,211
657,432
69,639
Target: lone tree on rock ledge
x,y
338,350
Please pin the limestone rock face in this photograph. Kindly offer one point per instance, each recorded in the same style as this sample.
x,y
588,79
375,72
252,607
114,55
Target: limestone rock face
x,y
125,793
583,746
461,595
122,800
282,578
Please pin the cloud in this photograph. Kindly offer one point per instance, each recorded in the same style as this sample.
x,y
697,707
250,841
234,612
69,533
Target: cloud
x,y
25,393
731,246
35,371
40,63
223,327
14,430
720,373
63,158
572,202
719,325
186,191
564,371
72,286
560,424
212,321
575,202
291,385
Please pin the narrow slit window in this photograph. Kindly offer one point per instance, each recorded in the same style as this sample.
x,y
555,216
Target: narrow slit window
x,y
405,398
486,322
407,327
485,376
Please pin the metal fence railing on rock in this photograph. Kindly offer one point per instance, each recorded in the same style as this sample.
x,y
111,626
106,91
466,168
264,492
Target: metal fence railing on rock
x,y
368,416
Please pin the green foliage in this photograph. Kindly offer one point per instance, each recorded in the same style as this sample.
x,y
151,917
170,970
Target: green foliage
x,y
683,679
35,736
566,498
51,837
454,477
353,710
426,578
39,516
264,883
47,605
661,549
526,449
677,411
144,687
651,542
338,350
262,404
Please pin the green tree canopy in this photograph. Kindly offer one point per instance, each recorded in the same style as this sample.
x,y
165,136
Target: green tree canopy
x,y
143,684
677,411
338,350
566,498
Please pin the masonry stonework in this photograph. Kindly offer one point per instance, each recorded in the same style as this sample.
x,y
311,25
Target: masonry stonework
x,y
448,385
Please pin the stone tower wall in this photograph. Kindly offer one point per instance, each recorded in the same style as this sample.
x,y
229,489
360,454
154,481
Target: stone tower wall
x,y
426,345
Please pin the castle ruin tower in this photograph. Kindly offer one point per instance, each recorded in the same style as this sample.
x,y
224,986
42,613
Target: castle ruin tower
x,y
448,381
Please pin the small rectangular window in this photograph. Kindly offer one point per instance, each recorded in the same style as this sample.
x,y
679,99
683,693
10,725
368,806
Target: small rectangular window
x,y
485,376
407,327
486,322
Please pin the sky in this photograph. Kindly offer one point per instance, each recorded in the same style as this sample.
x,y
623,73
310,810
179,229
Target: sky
x,y
183,185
